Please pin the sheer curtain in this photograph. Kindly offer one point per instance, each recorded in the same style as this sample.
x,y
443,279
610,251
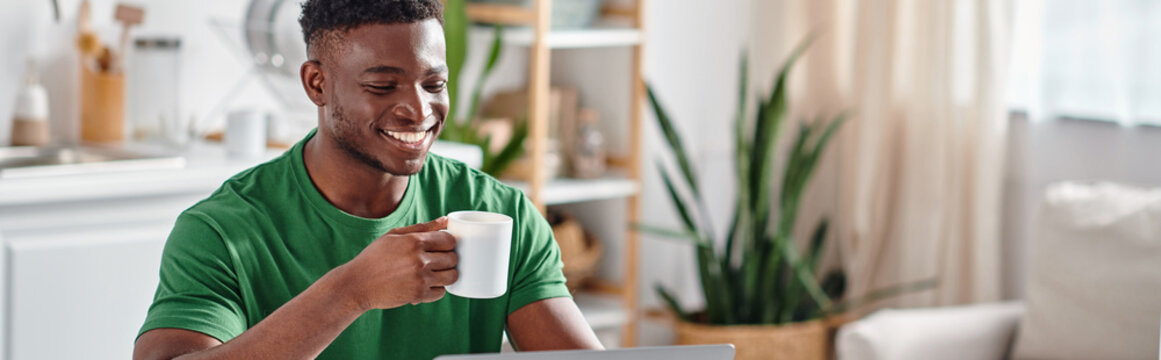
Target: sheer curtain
x,y
914,179
1087,59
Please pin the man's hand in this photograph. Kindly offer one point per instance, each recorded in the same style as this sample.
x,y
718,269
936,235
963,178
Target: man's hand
x,y
408,265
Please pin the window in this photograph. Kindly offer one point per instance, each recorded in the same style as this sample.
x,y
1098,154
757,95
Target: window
x,y
1087,59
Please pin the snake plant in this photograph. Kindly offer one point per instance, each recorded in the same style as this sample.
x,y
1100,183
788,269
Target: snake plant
x,y
456,24
759,276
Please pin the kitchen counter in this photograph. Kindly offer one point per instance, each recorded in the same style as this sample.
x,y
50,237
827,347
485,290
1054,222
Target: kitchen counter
x,y
206,167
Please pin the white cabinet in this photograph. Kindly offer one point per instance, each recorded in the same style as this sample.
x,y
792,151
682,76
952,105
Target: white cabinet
x,y
79,255
80,294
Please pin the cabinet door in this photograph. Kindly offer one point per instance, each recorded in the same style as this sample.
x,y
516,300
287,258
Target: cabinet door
x,y
83,293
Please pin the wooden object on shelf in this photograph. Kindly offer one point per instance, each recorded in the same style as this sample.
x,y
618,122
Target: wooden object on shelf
x,y
499,130
128,16
102,106
579,250
562,108
501,14
637,97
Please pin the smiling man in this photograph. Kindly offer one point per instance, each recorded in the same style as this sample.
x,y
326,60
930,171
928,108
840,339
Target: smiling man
x,y
334,249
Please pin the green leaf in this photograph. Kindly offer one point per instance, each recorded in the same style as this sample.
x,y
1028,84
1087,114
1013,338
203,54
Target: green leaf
x,y
493,56
741,151
817,244
678,203
671,301
455,29
806,278
674,140
831,128
670,234
509,153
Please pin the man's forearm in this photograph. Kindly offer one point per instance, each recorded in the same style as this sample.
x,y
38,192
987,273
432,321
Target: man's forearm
x,y
300,329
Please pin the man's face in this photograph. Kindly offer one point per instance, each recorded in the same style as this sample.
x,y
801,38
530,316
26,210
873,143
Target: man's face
x,y
388,99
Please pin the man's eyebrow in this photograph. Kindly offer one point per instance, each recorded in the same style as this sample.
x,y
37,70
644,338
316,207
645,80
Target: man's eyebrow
x,y
394,70
436,70
384,69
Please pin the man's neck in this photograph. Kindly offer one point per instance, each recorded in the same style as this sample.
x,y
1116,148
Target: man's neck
x,y
350,185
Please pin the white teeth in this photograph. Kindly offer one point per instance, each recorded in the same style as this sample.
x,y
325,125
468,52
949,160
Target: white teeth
x,y
408,137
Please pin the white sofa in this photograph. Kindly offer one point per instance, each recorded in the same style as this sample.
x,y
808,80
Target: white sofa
x,y
1093,291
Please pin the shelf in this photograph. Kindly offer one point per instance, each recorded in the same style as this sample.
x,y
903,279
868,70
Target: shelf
x,y
571,38
601,311
566,191
501,14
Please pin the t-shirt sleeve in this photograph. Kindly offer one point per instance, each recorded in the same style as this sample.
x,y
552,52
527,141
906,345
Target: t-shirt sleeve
x,y
198,288
535,260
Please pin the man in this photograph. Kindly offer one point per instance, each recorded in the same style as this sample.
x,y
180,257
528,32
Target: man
x,y
334,249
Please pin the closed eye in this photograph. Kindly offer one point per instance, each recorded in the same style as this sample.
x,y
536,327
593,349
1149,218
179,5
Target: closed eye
x,y
435,88
382,88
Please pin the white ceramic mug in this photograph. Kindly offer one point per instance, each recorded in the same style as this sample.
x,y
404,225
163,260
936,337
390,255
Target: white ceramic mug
x,y
246,133
483,240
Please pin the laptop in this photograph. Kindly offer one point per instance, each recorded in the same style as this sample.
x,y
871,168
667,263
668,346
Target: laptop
x,y
688,352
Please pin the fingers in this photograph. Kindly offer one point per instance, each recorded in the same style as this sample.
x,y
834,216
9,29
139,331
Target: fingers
x,y
440,261
434,225
438,241
443,278
432,295
438,281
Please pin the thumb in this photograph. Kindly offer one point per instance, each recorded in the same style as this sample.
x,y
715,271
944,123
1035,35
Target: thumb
x,y
434,225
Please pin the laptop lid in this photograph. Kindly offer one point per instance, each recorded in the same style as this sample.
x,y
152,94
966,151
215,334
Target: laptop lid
x,y
688,352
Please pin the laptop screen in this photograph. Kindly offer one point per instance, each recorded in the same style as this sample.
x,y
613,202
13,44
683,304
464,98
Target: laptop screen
x,y
689,352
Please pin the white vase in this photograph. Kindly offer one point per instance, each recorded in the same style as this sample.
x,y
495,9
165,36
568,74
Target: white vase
x,y
15,38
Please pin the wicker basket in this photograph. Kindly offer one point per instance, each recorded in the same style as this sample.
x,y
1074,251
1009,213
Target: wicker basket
x,y
805,341
580,251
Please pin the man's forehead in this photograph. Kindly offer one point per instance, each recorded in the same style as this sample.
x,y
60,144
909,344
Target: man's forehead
x,y
424,35
396,44
396,48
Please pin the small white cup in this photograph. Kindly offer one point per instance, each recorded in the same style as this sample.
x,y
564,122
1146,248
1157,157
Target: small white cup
x,y
246,133
483,240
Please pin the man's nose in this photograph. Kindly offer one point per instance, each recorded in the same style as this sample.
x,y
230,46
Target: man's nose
x,y
412,106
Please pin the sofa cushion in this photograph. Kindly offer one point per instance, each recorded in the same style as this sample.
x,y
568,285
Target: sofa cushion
x,y
1094,281
973,332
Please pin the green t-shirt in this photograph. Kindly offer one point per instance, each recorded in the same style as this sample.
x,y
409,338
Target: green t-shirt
x,y
267,234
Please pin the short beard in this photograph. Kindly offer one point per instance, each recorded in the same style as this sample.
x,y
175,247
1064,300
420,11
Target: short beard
x,y
344,134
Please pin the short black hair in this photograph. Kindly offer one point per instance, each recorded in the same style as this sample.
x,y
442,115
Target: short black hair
x,y
321,18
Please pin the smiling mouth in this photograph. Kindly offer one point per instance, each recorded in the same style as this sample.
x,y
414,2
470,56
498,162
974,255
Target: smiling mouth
x,y
408,136
410,139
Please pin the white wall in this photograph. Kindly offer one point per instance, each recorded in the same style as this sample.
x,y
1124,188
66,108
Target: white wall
x,y
692,62
209,67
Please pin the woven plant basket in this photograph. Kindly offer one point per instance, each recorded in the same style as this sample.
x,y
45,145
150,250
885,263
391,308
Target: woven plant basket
x,y
579,250
798,341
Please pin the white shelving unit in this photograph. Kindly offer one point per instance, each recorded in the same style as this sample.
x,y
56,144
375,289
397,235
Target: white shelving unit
x,y
614,305
571,39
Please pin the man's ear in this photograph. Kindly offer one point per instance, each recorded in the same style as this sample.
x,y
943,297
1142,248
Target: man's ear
x,y
311,73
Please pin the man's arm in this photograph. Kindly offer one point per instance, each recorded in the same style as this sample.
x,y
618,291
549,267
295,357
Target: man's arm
x,y
408,265
301,328
551,324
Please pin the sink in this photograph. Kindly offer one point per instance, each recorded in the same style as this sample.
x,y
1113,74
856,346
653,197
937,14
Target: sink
x,y
28,162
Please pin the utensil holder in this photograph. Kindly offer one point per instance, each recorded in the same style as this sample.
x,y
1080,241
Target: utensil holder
x,y
102,106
